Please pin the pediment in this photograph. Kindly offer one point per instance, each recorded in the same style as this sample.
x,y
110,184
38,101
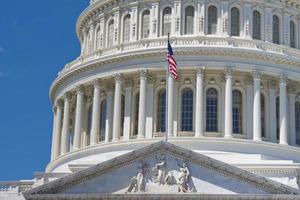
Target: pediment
x,y
160,169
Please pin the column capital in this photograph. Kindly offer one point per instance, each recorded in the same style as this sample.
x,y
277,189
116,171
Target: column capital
x,y
79,89
67,96
96,83
256,74
200,71
118,77
228,72
249,80
129,83
59,103
272,84
283,78
143,73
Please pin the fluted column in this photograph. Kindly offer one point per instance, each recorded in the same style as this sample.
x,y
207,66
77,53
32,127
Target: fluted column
x,y
96,113
57,131
249,107
199,118
117,107
66,124
272,110
109,116
142,104
228,103
257,107
78,117
127,110
83,33
283,137
170,100
292,101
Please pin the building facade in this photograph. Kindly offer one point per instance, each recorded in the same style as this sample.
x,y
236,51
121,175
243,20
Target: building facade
x,y
236,98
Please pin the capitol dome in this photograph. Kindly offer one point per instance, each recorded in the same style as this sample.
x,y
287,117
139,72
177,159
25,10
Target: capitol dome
x,y
236,98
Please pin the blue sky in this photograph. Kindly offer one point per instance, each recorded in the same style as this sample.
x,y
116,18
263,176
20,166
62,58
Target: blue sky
x,y
37,38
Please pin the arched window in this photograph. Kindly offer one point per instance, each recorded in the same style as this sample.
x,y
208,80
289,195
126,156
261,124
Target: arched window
x,y
187,110
256,32
263,115
126,28
237,105
277,118
297,122
292,34
212,20
167,19
189,20
212,110
145,24
235,22
122,114
102,120
136,113
89,125
276,34
110,34
161,111
98,38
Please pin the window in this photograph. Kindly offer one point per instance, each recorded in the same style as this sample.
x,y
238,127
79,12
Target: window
x,y
292,34
189,20
167,17
212,20
122,114
161,111
277,118
263,117
256,25
102,120
276,39
237,104
89,125
110,35
235,22
187,110
136,113
297,122
145,24
126,29
212,110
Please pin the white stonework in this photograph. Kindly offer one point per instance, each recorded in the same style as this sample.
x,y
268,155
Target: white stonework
x,y
236,99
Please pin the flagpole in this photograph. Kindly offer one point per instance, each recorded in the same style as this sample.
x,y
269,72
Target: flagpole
x,y
167,96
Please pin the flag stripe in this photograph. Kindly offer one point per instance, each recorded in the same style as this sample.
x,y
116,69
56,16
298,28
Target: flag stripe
x,y
172,62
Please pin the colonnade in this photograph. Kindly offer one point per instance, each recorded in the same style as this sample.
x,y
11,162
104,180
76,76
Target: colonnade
x,y
113,127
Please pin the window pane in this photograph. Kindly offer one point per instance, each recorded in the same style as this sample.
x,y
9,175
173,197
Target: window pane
x,y
126,30
292,34
146,24
235,22
256,25
167,17
212,20
262,108
212,110
277,118
89,125
189,20
297,122
237,111
136,113
187,110
161,111
122,113
275,29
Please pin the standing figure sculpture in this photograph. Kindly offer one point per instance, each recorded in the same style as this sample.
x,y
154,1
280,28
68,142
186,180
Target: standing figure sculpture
x,y
159,171
184,180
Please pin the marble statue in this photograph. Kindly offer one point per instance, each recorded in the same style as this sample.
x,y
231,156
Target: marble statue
x,y
185,183
159,171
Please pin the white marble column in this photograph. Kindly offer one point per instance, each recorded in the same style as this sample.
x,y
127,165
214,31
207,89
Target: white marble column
x,y
228,103
170,100
109,115
96,113
257,107
149,109
117,107
249,107
53,134
142,104
292,101
127,110
66,124
83,33
57,131
199,118
283,137
78,118
272,111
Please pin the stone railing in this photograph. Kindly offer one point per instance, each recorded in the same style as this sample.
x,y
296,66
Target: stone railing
x,y
183,42
15,186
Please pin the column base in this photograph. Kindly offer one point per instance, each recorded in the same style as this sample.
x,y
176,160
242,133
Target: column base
x,y
115,140
228,136
257,139
140,137
283,143
199,134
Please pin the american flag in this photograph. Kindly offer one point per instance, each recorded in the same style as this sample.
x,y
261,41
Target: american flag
x,y
172,62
